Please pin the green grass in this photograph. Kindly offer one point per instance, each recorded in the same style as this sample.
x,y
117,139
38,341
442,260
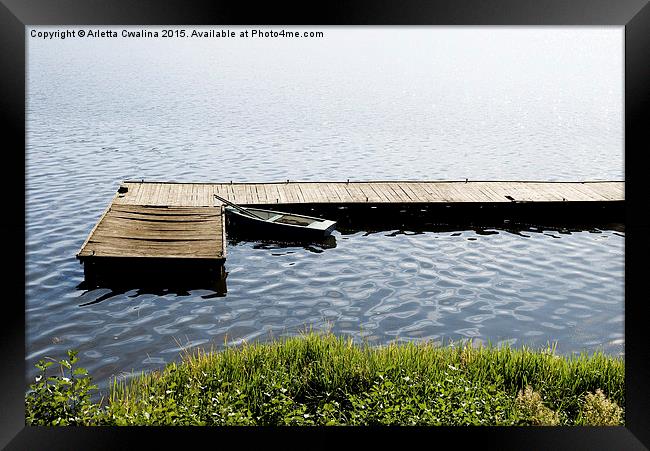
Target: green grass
x,y
327,380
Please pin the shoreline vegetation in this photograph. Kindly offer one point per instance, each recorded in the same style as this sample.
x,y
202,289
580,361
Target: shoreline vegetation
x,y
322,379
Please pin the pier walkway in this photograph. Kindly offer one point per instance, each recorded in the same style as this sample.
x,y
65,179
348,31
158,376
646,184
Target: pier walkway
x,y
382,192
182,225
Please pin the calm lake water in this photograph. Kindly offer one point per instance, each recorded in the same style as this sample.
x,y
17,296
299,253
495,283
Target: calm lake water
x,y
421,103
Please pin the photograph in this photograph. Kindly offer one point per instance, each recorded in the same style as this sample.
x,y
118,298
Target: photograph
x,y
275,225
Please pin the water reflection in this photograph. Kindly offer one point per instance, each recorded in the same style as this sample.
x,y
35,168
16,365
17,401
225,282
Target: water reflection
x,y
513,228
315,246
154,280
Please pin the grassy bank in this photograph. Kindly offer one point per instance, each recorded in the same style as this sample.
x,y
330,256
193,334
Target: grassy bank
x,y
325,380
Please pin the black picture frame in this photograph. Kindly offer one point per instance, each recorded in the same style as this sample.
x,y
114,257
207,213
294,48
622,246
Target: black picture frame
x,y
634,15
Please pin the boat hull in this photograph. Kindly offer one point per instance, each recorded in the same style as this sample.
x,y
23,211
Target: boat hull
x,y
241,224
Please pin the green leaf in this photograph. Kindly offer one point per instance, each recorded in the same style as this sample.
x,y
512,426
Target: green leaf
x,y
80,371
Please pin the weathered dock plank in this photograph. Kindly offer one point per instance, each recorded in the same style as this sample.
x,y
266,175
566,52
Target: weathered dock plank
x,y
135,231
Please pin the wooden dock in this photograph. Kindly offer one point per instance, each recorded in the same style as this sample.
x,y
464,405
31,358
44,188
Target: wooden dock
x,y
182,226
381,192
126,236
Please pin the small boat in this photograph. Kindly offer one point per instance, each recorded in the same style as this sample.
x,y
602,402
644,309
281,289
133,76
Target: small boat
x,y
276,224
